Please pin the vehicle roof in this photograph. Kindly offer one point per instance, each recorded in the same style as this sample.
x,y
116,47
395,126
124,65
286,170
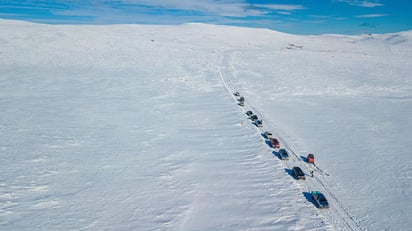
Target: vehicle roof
x,y
317,193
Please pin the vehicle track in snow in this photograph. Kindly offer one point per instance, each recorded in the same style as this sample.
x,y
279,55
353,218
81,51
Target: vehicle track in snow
x,y
337,215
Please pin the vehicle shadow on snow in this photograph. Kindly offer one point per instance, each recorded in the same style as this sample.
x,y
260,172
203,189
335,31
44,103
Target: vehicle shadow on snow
x,y
309,198
268,142
304,158
290,172
276,154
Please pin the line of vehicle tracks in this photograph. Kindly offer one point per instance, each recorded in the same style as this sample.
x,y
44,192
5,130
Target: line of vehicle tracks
x,y
338,215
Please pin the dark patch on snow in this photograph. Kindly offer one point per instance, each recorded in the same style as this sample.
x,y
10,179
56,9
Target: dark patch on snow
x,y
290,172
275,153
309,198
395,39
267,142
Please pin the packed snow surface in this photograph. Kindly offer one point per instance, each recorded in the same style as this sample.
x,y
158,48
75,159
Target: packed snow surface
x,y
131,127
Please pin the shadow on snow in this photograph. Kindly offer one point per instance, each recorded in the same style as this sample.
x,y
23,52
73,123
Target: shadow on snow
x,y
275,153
290,172
309,198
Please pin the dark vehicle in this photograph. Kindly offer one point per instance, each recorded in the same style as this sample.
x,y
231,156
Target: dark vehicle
x,y
275,143
254,117
320,200
268,135
259,123
283,154
236,93
249,113
241,103
310,158
298,173
241,99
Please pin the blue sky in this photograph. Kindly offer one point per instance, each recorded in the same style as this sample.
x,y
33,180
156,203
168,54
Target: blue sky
x,y
291,16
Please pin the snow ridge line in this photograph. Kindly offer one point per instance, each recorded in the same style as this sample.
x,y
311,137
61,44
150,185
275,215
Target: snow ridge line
x,y
341,212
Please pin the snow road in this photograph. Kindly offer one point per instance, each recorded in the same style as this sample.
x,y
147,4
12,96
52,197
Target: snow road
x,y
330,117
337,214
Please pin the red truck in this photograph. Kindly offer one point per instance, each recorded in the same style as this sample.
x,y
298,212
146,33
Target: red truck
x,y
275,143
310,158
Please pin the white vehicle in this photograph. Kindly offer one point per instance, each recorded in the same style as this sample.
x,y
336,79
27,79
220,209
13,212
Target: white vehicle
x,y
268,135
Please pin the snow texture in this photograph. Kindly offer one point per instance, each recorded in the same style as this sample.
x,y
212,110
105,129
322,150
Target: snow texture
x,y
132,127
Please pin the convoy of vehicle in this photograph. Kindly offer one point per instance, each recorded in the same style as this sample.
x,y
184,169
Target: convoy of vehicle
x,y
318,198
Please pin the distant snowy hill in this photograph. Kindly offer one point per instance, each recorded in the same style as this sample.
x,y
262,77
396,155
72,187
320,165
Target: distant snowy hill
x,y
135,127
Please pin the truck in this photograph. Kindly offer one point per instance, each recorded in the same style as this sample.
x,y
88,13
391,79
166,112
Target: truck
x,y
275,143
319,199
310,158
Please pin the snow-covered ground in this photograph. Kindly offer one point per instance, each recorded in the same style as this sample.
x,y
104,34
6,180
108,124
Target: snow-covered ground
x,y
131,127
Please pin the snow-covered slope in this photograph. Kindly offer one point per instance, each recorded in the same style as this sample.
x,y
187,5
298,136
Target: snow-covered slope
x,y
131,127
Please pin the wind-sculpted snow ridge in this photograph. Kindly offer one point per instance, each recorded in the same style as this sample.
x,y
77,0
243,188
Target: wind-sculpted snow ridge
x,y
130,127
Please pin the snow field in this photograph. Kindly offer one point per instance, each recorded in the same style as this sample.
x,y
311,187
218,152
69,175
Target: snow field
x,y
130,140
355,120
338,215
131,127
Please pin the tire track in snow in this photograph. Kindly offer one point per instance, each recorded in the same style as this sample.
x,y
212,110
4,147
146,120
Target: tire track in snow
x,y
337,214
